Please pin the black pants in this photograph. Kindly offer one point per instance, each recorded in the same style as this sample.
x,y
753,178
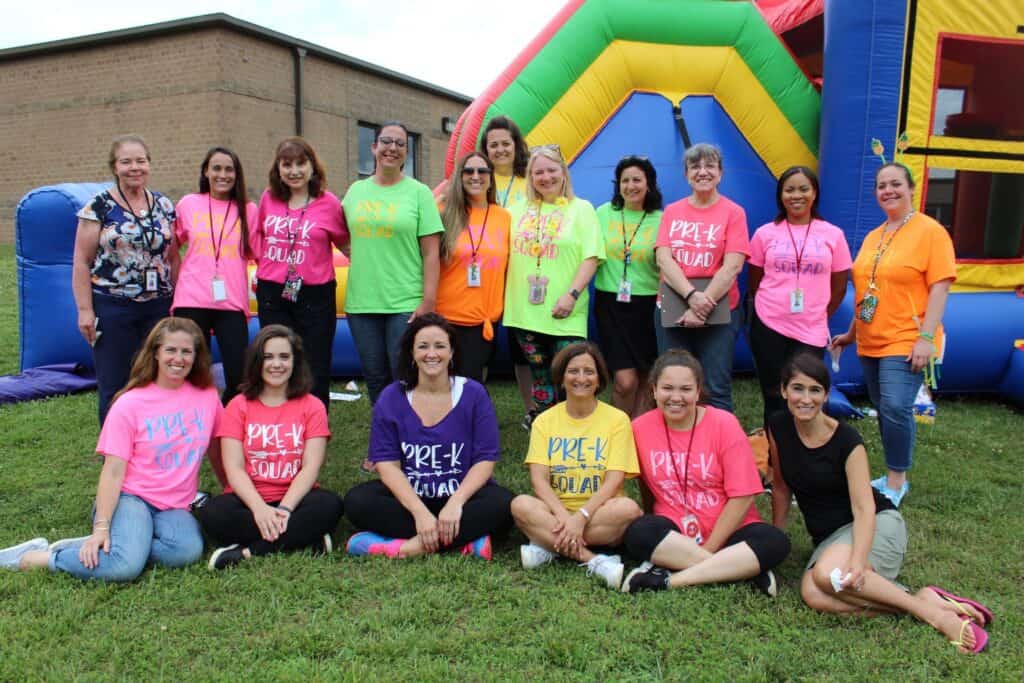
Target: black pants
x,y
769,543
227,520
372,507
313,317
771,350
232,331
474,352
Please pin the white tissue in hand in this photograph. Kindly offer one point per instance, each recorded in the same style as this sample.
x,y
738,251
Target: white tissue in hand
x,y
837,579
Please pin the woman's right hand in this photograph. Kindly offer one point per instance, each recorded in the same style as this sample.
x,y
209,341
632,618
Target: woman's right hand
x,y
426,529
270,521
691,319
701,304
842,340
89,553
87,325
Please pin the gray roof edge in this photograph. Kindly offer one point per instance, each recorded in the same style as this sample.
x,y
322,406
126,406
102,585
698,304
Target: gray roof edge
x,y
221,20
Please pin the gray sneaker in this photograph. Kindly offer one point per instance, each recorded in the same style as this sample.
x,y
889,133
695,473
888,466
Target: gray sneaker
x,y
10,558
608,567
67,543
533,556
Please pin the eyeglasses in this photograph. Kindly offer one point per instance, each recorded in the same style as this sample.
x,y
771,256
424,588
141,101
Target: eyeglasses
x,y
553,147
703,166
482,170
387,142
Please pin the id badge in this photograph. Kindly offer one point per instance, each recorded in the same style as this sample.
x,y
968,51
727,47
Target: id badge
x,y
691,528
152,280
625,294
867,308
538,289
473,275
291,288
796,301
220,291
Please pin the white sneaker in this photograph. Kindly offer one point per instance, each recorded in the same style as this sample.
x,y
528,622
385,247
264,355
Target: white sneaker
x,y
534,556
67,543
10,558
608,567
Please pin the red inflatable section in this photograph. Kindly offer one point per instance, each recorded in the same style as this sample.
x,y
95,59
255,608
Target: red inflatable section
x,y
783,15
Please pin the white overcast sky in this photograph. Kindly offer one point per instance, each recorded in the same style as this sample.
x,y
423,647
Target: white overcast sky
x,y
461,45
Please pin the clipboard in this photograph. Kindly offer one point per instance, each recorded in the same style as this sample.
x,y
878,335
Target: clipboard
x,y
673,306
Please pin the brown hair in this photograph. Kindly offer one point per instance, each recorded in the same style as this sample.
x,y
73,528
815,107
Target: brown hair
x,y
301,381
455,215
121,140
238,193
298,149
144,367
678,358
562,358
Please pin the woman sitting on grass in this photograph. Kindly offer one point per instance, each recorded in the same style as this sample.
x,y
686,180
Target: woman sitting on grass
x,y
273,441
859,536
698,468
581,451
153,441
434,441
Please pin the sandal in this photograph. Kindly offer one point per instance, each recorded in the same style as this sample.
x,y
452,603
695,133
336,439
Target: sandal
x,y
986,614
980,636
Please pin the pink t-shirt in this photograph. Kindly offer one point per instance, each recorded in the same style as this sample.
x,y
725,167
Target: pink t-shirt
x,y
822,250
701,237
720,466
163,435
273,439
308,233
216,252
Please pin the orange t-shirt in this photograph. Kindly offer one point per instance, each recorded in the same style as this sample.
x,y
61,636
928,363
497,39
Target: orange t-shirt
x,y
921,254
456,300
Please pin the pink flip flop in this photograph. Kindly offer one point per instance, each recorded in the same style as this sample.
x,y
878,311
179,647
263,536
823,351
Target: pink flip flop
x,y
980,636
986,614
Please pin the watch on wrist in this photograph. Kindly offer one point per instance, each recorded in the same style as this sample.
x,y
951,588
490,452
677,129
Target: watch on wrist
x,y
574,293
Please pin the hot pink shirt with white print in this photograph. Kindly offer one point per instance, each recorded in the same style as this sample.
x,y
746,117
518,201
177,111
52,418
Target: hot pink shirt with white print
x,y
701,237
307,233
720,466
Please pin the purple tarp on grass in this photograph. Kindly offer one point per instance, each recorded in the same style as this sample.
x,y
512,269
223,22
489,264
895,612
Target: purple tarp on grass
x,y
45,381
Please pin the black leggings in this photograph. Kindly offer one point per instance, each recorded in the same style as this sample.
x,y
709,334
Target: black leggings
x,y
474,351
372,507
769,543
227,520
771,350
232,331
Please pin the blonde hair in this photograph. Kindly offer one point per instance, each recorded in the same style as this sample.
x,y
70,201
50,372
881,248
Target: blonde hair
x,y
118,142
551,155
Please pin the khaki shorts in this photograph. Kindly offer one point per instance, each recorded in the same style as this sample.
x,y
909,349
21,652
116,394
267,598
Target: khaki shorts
x,y
887,549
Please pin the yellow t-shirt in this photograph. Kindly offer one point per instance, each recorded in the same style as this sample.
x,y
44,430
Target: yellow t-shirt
x,y
579,452
920,254
509,190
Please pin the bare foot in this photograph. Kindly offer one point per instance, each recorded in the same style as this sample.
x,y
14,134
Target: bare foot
x,y
960,608
956,629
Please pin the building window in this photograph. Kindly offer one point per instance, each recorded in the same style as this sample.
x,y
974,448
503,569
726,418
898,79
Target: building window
x,y
367,132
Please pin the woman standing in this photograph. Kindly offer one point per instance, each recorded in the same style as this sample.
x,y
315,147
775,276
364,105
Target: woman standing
x,y
396,238
581,452
901,278
434,440
799,266
474,255
704,236
152,442
212,287
697,468
860,538
299,221
555,250
273,444
123,260
626,285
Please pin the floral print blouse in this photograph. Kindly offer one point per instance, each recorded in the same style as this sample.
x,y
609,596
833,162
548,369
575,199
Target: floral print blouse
x,y
129,246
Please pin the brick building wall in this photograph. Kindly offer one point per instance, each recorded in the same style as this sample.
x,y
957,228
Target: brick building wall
x,y
185,86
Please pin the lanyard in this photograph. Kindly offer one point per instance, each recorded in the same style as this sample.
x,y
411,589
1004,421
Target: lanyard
x,y
217,244
508,191
627,252
686,461
800,253
148,232
475,248
293,233
551,232
883,246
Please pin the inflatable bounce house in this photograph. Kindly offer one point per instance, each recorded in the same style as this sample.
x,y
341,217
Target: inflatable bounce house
x,y
771,82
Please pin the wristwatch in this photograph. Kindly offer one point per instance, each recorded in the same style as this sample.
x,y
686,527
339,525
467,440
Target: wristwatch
x,y
574,293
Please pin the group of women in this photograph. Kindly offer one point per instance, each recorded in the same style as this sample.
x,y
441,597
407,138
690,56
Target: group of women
x,y
665,279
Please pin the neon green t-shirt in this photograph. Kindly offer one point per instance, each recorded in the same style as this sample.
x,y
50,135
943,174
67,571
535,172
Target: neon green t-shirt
x,y
550,241
386,274
580,452
641,231
509,190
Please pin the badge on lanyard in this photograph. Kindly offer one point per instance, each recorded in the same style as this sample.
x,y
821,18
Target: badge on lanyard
x,y
292,285
220,290
796,301
867,308
691,528
152,280
625,294
538,288
473,274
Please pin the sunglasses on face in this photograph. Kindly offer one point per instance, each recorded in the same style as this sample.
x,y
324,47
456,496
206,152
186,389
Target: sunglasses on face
x,y
387,142
476,171
633,157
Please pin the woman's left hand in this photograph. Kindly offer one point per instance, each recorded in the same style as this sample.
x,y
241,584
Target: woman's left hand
x,y
701,304
422,309
448,521
691,319
563,307
569,541
920,355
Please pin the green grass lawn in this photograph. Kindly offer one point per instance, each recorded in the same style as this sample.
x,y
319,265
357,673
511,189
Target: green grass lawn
x,y
300,618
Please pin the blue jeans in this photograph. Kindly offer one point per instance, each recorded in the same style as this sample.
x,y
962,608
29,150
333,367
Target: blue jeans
x,y
377,336
139,534
893,388
714,346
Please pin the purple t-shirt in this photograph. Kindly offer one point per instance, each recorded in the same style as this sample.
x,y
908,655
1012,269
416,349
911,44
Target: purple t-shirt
x,y
435,459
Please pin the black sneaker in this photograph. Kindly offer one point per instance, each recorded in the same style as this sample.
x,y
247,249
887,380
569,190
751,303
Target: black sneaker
x,y
766,583
527,422
225,557
645,579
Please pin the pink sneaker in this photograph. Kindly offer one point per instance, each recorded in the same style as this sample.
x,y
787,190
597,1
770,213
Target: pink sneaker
x,y
369,543
481,548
